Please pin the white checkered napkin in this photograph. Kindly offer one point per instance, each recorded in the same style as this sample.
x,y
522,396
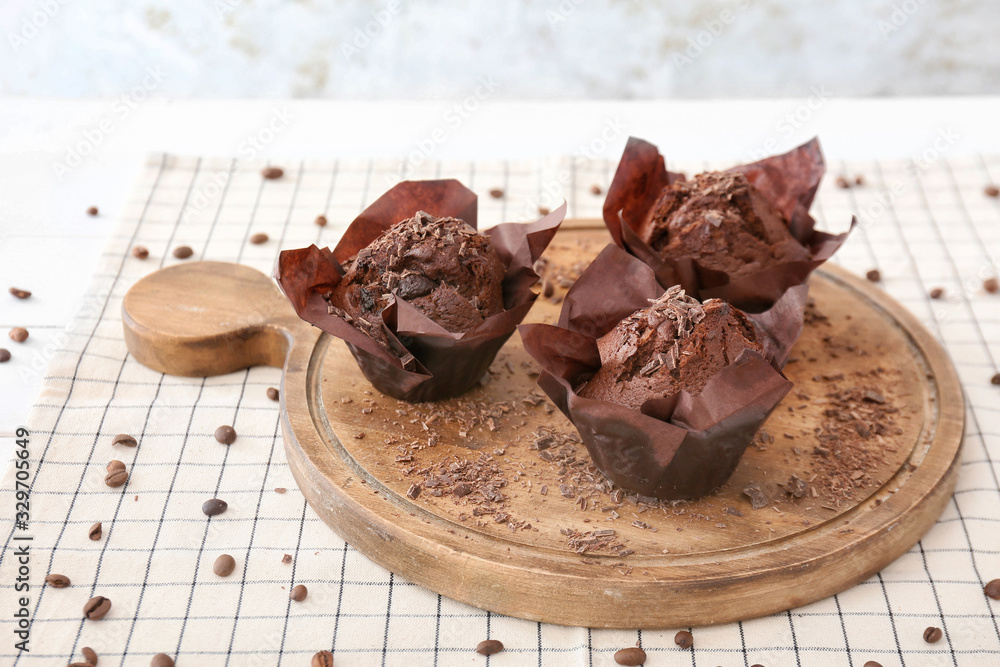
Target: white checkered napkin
x,y
925,227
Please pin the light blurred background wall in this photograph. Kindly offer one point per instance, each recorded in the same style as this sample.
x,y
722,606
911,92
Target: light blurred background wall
x,y
539,49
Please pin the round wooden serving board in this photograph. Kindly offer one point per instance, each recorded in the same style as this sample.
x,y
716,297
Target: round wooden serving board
x,y
873,426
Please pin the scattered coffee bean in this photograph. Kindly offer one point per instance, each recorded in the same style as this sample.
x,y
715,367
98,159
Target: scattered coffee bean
x,y
4,355
226,435
874,275
543,210
183,252
140,252
596,189
224,565
286,559
57,580
116,476
842,183
259,238
96,608
280,489
859,180
124,439
632,656
272,172
18,334
299,593
991,191
19,293
272,393
995,379
937,293
684,639
323,659
95,532
161,660
214,506
496,193
991,285
89,655
114,465
548,289
320,221
872,663
92,211
933,635
489,647
992,589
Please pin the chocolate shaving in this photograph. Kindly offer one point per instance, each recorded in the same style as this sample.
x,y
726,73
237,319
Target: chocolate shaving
x,y
789,181
757,498
423,361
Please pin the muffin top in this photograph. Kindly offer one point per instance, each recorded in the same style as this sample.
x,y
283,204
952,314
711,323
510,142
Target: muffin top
x,y
674,344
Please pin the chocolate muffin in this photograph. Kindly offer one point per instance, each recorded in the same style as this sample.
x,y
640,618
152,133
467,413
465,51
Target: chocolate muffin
x,y
675,344
723,221
441,266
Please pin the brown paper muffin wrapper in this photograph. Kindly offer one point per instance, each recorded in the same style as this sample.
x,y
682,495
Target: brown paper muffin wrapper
x,y
680,447
426,362
789,181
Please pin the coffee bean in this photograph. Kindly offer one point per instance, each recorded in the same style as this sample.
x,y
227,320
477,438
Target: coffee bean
x,y
937,293
19,293
183,252
632,656
4,354
273,394
842,183
991,191
992,589
320,221
18,334
92,211
57,580
872,663
489,647
116,478
124,439
496,193
299,593
224,565
258,238
859,180
874,275
89,655
140,252
214,506
323,659
96,608
161,660
995,379
226,435
95,532
684,639
933,635
596,189
543,210
272,172
991,285
114,465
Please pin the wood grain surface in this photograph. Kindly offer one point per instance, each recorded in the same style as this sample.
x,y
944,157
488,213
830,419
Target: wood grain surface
x,y
540,535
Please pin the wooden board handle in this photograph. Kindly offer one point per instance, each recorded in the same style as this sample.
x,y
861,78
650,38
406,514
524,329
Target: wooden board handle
x,y
209,318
